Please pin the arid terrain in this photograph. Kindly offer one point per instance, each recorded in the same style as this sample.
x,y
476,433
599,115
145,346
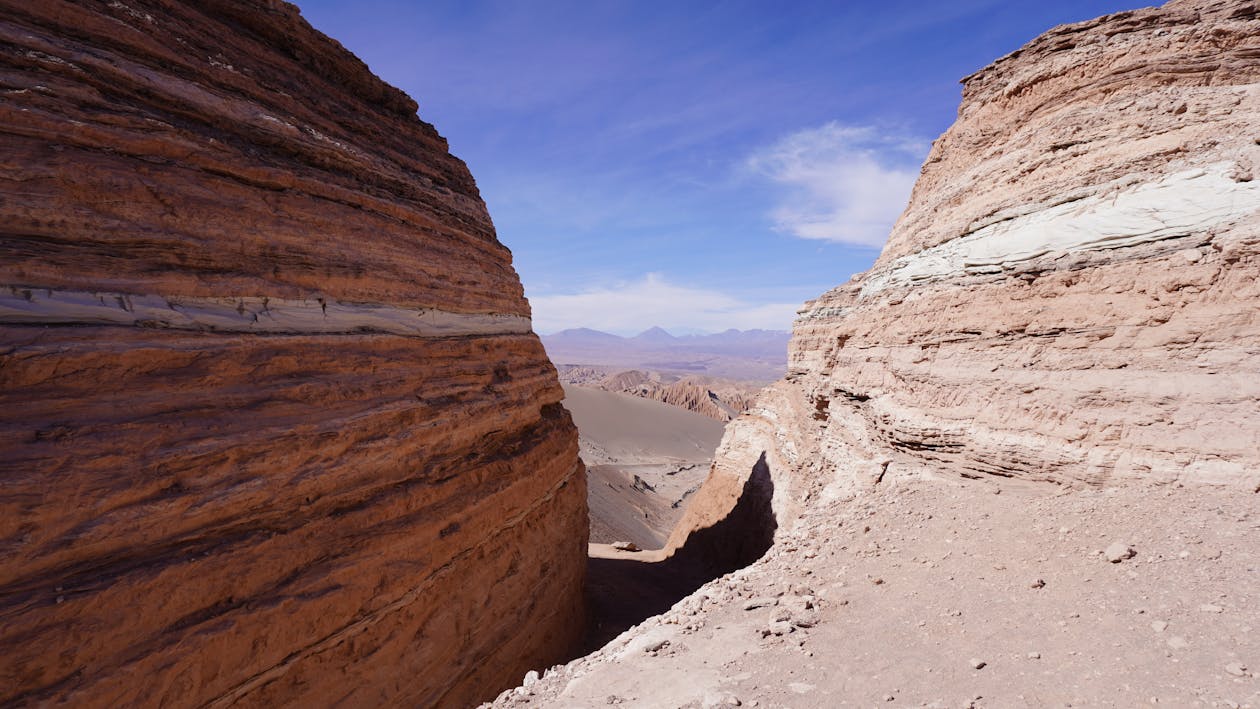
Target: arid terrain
x,y
276,428
934,593
1017,462
719,399
714,375
643,460
756,356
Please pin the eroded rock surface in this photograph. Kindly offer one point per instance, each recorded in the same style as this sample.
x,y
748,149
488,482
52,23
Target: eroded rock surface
x,y
643,460
275,429
1070,296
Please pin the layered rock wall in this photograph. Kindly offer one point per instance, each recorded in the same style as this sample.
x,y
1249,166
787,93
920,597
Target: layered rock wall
x,y
721,401
1071,295
273,425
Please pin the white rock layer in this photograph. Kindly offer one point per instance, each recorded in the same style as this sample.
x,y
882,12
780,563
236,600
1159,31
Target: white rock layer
x,y
1185,203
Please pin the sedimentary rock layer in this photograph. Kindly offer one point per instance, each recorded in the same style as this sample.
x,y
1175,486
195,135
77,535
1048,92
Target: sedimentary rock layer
x,y
1070,296
719,400
275,429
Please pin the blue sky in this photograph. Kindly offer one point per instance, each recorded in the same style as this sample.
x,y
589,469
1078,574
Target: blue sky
x,y
693,165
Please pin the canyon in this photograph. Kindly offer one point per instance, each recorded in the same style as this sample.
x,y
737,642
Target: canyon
x,y
1057,353
275,429
715,375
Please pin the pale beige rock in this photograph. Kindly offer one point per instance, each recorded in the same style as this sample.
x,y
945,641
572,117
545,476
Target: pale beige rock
x,y
1118,552
1036,315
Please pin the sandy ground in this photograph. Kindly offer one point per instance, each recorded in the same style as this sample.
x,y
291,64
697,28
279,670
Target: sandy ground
x,y
626,429
720,399
935,594
643,458
640,503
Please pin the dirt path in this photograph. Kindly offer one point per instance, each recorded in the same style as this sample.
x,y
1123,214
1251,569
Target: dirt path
x,y
939,595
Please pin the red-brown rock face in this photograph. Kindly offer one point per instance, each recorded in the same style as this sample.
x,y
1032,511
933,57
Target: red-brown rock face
x,y
1071,295
275,428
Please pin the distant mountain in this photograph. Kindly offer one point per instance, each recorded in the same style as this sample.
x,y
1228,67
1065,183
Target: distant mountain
x,y
655,336
763,341
746,336
584,335
749,355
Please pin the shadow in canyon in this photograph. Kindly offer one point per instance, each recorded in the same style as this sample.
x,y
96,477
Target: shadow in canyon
x,y
624,592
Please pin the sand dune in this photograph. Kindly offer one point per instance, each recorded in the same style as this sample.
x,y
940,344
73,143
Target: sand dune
x,y
631,430
643,459
719,399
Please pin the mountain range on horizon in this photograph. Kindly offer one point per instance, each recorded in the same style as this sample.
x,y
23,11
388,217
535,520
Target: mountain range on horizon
x,y
657,334
753,355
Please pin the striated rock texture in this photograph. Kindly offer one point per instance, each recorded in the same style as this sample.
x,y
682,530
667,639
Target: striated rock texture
x,y
275,427
1071,295
717,399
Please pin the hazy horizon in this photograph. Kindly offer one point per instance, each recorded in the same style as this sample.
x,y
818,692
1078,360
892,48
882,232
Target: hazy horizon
x,y
679,332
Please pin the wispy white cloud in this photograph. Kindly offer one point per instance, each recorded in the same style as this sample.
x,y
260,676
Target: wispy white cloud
x,y
632,307
840,183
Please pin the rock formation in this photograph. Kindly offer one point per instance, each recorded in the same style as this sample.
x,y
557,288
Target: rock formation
x,y
711,397
275,427
1070,296
1068,305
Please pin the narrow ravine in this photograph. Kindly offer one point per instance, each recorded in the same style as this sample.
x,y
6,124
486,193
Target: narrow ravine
x,y
645,462
625,588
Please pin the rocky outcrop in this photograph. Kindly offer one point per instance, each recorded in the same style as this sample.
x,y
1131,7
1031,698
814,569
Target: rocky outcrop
x,y
716,399
275,428
1070,296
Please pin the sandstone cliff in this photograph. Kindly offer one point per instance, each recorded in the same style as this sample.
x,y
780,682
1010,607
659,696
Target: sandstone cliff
x,y
1070,296
275,428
